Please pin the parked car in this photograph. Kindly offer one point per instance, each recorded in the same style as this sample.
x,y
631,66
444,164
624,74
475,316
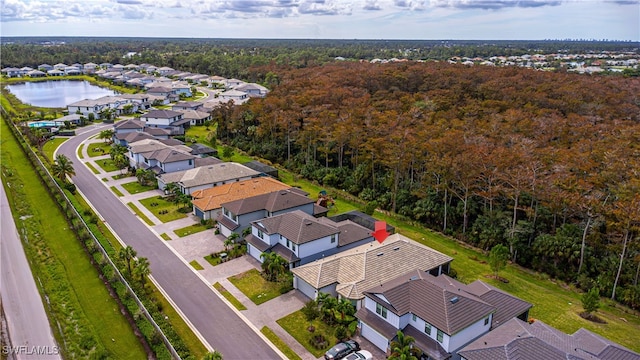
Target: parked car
x,y
340,350
359,355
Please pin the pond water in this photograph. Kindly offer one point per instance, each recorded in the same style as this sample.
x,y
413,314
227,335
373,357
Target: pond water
x,y
57,94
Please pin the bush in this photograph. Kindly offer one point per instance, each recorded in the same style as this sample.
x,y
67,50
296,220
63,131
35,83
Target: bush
x,y
340,332
319,342
370,207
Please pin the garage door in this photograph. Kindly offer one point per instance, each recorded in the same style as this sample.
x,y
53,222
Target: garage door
x,y
373,336
305,288
255,253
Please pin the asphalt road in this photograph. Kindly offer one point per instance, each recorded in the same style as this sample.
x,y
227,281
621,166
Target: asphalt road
x,y
29,329
222,328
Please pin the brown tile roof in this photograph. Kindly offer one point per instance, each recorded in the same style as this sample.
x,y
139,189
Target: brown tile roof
x,y
363,267
426,343
507,305
213,198
272,202
133,136
225,171
441,301
519,340
129,124
161,114
297,226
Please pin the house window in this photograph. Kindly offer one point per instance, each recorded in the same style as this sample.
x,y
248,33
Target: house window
x,y
413,317
486,321
333,238
440,336
190,162
260,234
226,212
381,310
293,247
427,328
234,218
288,243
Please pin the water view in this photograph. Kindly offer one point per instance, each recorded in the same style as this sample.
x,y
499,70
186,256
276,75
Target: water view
x,y
57,94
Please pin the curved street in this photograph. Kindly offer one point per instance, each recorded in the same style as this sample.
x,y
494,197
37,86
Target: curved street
x,y
218,324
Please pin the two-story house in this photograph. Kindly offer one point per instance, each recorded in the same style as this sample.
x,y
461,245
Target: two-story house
x,y
439,312
238,215
161,118
154,155
207,203
202,177
301,238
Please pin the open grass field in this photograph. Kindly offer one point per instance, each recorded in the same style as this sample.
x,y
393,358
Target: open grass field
x,y
255,287
81,305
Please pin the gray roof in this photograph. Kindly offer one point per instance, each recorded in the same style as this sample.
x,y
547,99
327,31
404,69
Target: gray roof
x,y
273,202
297,226
161,114
209,174
507,305
440,301
134,136
520,340
129,124
202,149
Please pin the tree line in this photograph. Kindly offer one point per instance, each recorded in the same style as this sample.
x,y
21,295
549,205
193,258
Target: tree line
x,y
546,164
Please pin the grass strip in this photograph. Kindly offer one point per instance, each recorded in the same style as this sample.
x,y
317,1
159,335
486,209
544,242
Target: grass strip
x,y
98,149
281,345
229,296
196,265
255,287
79,304
79,152
165,236
116,191
92,168
107,165
191,229
134,187
140,214
49,148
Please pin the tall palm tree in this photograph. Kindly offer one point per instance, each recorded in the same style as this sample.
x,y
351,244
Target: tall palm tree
x,y
106,135
62,167
142,269
401,348
127,254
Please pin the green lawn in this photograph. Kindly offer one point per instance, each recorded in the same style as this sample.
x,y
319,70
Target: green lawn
x,y
279,343
229,296
213,260
342,204
196,265
191,229
50,146
116,191
255,287
98,149
200,133
296,325
165,236
135,187
107,165
164,210
92,168
80,304
140,214
79,152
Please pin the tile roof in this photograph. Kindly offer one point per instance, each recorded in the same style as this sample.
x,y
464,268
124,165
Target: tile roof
x,y
507,305
209,174
161,114
273,201
213,198
129,124
520,340
363,267
297,226
134,136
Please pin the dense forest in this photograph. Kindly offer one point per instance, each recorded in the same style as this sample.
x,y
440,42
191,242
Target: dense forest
x,y
547,164
232,58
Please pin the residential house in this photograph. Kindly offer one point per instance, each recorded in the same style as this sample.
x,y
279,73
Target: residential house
x,y
301,238
45,67
439,312
237,215
55,72
195,117
200,150
127,138
25,69
59,66
154,155
97,107
11,72
128,126
106,66
207,203
90,68
181,88
204,177
520,340
118,67
36,73
143,100
232,83
72,70
163,71
160,91
252,89
187,105
238,97
349,273
262,167
163,118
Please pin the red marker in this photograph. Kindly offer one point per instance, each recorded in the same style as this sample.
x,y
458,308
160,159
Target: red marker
x,y
380,233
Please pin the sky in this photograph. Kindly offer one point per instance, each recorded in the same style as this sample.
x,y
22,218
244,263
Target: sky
x,y
326,19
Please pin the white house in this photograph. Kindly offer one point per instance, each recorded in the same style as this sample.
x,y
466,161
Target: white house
x,y
116,104
204,177
439,312
162,118
301,238
154,155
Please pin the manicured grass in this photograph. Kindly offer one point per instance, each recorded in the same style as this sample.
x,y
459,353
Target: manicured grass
x,y
80,304
342,204
92,168
50,146
196,265
191,229
165,236
238,156
116,191
255,287
281,345
296,325
79,152
140,214
135,187
98,149
213,260
227,295
164,210
200,133
107,165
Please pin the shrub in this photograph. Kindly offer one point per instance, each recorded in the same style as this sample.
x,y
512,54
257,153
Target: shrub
x,y
319,342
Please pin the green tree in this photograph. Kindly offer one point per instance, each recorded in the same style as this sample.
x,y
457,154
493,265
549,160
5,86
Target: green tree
x,y
216,355
106,135
120,161
273,265
142,269
591,300
127,254
498,258
62,168
402,347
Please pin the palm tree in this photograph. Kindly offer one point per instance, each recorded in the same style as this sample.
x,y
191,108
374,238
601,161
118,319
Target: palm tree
x,y
402,348
142,269
62,168
106,135
172,189
120,161
216,355
127,254
117,150
274,265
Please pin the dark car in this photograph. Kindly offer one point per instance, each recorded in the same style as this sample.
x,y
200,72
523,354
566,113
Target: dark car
x,y
341,350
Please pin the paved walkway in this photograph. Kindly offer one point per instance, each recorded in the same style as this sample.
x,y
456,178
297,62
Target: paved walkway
x,y
197,246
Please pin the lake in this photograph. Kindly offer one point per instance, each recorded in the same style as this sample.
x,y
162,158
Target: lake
x,y
57,94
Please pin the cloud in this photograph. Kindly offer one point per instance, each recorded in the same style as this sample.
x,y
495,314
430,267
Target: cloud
x,y
129,2
371,5
492,4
